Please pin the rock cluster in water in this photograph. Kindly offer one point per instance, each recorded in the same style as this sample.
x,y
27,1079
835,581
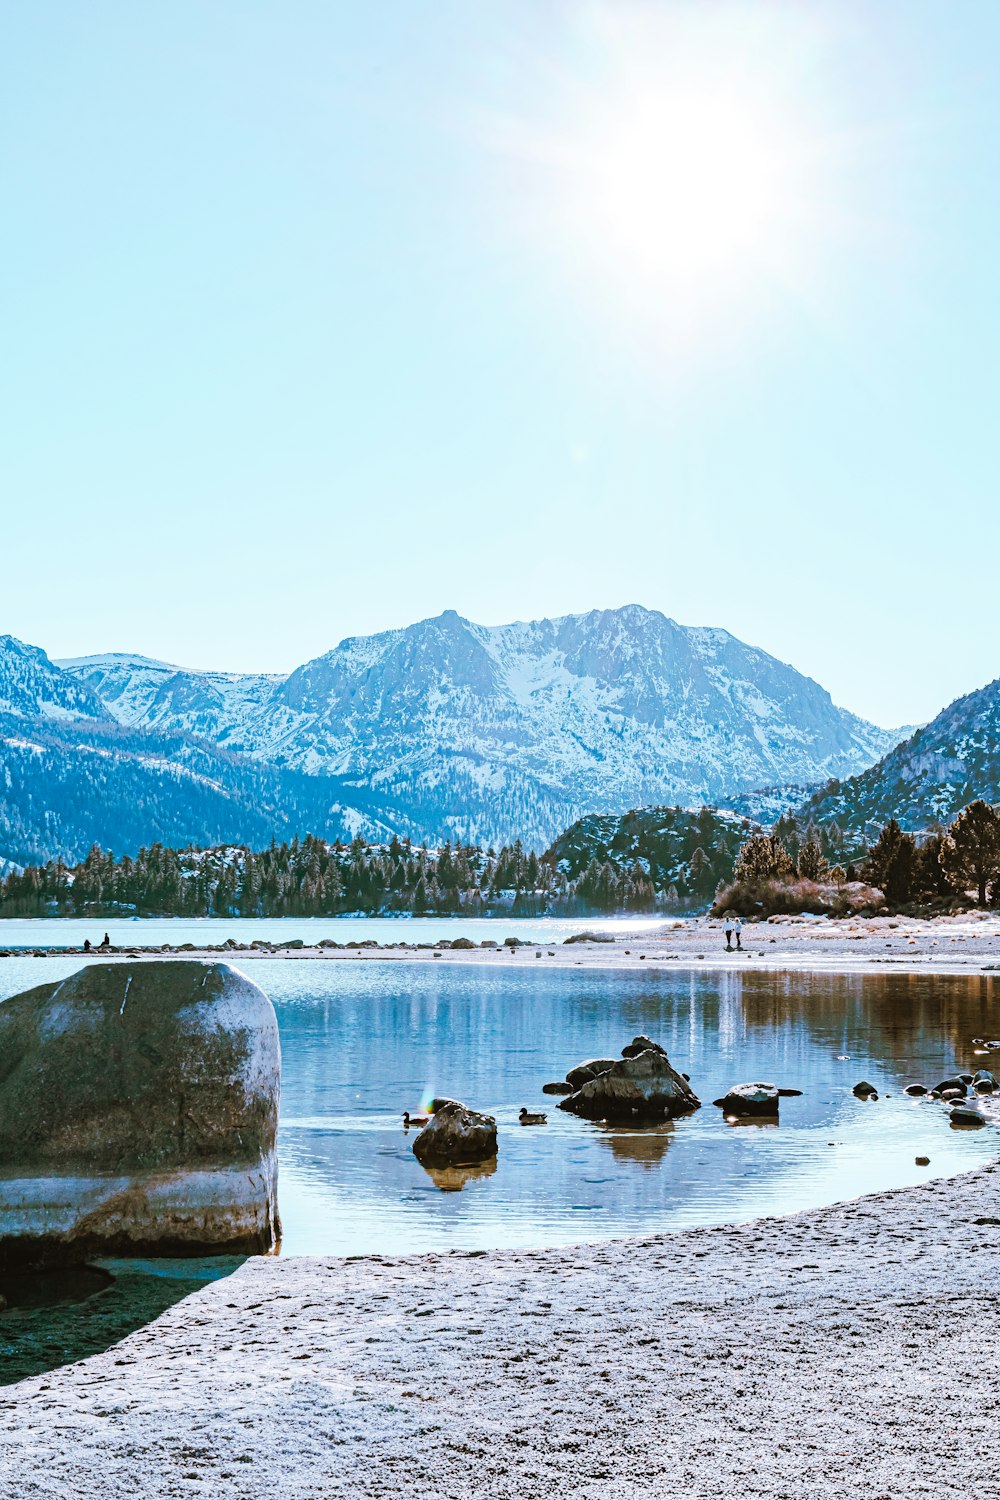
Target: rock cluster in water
x,y
138,1112
640,1085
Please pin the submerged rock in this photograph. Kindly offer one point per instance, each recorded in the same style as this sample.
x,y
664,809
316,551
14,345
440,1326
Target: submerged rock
x,y
865,1090
915,1090
643,1086
456,1137
750,1099
138,1110
559,1087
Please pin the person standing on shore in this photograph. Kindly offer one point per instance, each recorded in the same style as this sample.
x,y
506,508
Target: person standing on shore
x,y
739,933
729,933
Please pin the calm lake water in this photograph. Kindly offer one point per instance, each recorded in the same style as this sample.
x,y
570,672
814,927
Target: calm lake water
x,y
363,1043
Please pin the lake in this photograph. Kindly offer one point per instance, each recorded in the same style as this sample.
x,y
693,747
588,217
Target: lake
x,y
361,1043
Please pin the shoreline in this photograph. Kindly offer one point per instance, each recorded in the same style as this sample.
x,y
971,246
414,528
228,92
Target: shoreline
x,y
949,946
813,1354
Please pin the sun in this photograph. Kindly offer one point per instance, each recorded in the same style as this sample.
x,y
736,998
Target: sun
x,y
684,190
676,168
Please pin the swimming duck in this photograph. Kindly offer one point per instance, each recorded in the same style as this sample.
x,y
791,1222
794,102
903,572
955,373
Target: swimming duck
x,y
529,1119
409,1119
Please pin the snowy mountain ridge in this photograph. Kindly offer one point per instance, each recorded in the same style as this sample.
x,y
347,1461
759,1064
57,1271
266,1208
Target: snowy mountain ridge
x,y
494,732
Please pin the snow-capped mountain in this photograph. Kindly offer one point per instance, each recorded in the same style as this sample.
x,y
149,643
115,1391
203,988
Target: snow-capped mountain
x,y
33,687
514,730
929,778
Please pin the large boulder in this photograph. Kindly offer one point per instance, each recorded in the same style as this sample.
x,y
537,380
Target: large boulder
x,y
456,1137
642,1087
746,1099
138,1111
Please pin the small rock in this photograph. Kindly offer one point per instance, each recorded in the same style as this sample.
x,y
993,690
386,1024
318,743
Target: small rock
x,y
966,1114
750,1099
915,1090
865,1090
922,1161
456,1137
561,1087
641,1044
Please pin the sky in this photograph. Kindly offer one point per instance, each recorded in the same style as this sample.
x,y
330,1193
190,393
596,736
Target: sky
x,y
320,318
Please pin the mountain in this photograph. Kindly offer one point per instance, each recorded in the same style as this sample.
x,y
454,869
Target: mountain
x,y
495,732
33,687
927,779
71,776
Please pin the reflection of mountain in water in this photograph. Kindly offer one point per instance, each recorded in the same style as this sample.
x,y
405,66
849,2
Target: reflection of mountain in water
x,y
647,1146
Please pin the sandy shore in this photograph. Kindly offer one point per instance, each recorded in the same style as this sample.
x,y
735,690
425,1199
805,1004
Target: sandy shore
x,y
842,1351
943,944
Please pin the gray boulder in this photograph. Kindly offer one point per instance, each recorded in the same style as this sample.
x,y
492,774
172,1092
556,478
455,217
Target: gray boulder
x,y
456,1136
644,1087
586,1071
966,1114
138,1111
641,1044
750,1099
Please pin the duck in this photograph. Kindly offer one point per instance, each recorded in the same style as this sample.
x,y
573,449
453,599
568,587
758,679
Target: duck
x,y
409,1119
526,1118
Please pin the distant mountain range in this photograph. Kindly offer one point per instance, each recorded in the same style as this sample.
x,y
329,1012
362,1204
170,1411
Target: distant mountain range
x,y
442,729
926,779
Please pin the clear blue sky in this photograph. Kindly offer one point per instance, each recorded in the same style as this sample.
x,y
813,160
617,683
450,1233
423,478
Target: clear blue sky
x,y
323,317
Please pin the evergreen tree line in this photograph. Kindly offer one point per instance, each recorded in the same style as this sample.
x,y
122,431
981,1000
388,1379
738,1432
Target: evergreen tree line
x,y
310,877
940,865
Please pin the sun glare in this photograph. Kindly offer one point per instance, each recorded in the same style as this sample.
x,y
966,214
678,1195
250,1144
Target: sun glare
x,y
674,174
684,190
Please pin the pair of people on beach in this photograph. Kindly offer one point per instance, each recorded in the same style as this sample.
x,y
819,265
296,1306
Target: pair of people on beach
x,y
734,929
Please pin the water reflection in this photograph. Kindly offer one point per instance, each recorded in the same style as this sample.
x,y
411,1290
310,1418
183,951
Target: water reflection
x,y
646,1146
454,1179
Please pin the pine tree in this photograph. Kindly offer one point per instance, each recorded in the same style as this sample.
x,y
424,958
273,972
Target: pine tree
x,y
971,850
